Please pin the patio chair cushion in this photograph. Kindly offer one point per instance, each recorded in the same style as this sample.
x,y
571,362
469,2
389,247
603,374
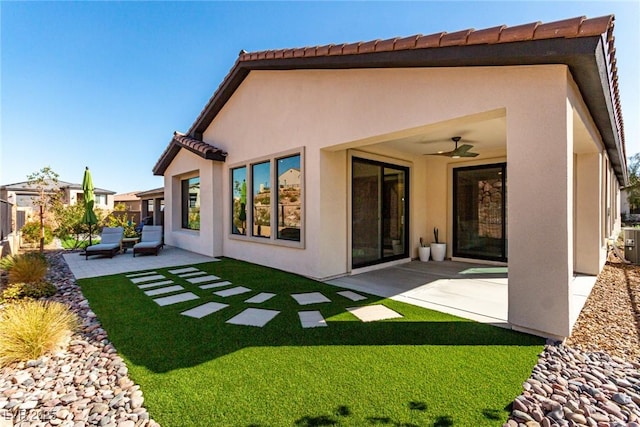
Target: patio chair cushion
x,y
151,241
110,239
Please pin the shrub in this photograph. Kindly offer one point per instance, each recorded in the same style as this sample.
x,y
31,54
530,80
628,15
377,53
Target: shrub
x,y
31,233
28,268
29,329
17,291
7,262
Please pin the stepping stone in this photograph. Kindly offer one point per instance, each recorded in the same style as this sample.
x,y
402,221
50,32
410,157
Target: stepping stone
x,y
371,313
311,319
215,285
261,297
233,291
147,278
310,298
155,284
165,290
253,317
195,273
202,279
204,310
146,273
174,299
352,296
183,270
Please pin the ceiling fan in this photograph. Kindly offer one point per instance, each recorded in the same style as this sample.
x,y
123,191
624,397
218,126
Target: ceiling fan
x,y
461,151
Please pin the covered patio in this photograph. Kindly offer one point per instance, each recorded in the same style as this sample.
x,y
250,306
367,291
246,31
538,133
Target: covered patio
x,y
468,290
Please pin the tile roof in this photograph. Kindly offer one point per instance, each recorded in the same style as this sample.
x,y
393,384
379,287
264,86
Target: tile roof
x,y
568,28
527,44
200,148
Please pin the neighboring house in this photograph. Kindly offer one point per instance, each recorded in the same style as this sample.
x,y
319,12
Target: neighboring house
x,y
538,103
23,196
153,205
131,202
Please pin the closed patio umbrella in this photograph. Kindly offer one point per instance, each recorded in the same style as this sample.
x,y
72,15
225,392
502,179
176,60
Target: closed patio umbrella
x,y
89,216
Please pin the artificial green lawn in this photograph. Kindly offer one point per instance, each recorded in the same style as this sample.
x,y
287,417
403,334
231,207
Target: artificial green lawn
x,y
424,369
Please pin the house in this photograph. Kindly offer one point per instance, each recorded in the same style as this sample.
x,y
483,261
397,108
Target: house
x,y
21,204
508,140
24,195
152,204
130,201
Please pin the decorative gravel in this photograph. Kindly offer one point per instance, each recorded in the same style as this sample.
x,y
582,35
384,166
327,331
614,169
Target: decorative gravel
x,y
87,384
594,378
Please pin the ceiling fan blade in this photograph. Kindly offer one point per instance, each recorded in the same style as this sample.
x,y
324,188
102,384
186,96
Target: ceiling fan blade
x,y
468,154
446,154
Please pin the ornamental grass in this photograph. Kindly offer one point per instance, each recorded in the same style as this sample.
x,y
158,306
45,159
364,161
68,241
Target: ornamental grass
x,y
29,329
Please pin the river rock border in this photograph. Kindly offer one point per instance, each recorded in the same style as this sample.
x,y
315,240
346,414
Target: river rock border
x,y
85,384
569,387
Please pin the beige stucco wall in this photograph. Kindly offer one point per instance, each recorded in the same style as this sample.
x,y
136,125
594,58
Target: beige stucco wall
x,y
327,113
207,240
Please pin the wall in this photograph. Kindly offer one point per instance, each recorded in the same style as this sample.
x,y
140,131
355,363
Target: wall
x,y
207,240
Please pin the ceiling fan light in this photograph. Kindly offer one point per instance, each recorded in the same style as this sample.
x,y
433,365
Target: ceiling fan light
x,y
455,157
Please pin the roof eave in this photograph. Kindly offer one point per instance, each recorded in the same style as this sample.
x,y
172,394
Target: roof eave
x,y
584,55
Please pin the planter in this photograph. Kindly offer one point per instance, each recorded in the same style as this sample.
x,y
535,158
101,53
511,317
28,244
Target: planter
x,y
438,251
423,252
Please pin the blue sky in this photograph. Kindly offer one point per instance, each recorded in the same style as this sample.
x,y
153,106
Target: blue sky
x,y
105,84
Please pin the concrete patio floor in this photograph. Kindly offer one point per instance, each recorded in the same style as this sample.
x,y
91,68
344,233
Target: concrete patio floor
x,y
97,266
471,291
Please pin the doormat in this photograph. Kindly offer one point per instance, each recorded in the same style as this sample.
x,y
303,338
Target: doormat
x,y
486,270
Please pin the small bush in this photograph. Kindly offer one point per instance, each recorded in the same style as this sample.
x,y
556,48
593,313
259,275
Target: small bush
x,y
31,233
28,268
17,291
7,262
29,329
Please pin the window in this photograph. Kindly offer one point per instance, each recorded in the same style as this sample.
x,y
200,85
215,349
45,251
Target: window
x,y
100,199
239,200
261,201
289,208
273,211
191,203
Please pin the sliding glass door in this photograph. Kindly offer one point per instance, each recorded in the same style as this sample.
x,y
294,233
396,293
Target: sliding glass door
x,y
480,212
379,206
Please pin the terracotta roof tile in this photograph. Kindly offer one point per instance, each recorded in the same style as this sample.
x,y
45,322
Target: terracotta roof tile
x,y
323,50
407,42
336,49
368,47
310,51
565,28
459,38
385,45
298,53
518,33
351,48
486,36
179,141
595,26
432,40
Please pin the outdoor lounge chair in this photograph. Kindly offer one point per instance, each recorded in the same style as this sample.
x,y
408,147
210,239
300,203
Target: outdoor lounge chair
x,y
151,241
110,240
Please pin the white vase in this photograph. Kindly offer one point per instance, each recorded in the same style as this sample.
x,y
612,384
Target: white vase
x,y
423,252
438,251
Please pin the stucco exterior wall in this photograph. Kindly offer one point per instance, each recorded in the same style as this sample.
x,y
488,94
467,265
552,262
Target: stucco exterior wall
x,y
207,240
329,115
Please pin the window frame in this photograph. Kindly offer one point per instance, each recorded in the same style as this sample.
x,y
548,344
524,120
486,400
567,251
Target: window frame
x,y
185,202
272,239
